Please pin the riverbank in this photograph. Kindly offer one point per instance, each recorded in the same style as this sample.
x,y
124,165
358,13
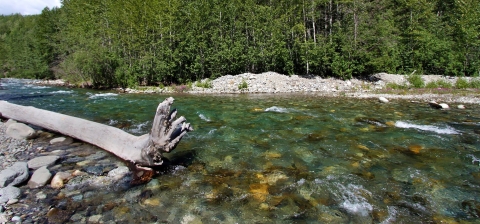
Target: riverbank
x,y
257,155
390,86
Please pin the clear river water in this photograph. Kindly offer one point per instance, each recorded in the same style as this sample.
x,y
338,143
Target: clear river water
x,y
291,158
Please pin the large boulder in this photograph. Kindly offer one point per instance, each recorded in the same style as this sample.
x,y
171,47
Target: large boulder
x,y
14,175
20,131
40,177
9,193
9,122
38,162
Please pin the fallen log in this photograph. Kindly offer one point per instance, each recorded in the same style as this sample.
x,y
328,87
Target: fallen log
x,y
141,151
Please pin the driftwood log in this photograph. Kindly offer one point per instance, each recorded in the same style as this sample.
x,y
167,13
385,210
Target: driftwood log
x,y
140,151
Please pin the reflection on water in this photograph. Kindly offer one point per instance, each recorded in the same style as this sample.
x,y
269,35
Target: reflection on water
x,y
292,158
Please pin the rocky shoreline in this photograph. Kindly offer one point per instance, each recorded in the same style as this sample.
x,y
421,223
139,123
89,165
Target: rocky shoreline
x,y
45,178
374,86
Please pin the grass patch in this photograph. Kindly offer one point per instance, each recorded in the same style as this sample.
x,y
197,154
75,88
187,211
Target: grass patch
x,y
439,84
396,86
243,85
207,83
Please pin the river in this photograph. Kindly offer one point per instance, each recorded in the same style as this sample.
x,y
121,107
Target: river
x,y
290,158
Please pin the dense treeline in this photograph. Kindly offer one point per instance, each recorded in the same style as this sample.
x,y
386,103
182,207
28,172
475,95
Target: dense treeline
x,y
131,42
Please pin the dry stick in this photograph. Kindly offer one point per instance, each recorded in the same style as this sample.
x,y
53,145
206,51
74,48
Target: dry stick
x,y
141,151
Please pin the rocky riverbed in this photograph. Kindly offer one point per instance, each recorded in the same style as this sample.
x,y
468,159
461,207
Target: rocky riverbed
x,y
377,85
51,178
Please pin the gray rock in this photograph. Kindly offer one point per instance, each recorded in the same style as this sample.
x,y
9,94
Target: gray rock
x,y
20,131
38,162
436,105
383,99
61,141
9,122
40,177
16,219
8,193
14,175
119,172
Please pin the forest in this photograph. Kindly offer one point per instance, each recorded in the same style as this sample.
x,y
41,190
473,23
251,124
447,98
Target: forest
x,y
111,43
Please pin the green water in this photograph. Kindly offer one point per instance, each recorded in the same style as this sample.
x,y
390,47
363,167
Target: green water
x,y
292,158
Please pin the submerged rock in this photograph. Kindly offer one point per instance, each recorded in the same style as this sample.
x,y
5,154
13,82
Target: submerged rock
x,y
9,193
59,180
14,175
42,161
40,177
61,141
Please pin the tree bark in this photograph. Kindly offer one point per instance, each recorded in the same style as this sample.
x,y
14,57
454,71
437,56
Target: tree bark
x,y
141,151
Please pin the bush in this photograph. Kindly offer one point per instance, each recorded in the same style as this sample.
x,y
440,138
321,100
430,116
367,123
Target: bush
x,y
439,84
205,84
416,81
243,85
461,83
475,83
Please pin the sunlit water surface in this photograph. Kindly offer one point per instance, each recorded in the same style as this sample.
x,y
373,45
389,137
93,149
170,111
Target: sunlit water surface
x,y
291,158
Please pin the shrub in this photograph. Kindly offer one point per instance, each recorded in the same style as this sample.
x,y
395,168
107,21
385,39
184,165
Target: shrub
x,y
439,84
461,83
243,85
475,83
416,81
207,83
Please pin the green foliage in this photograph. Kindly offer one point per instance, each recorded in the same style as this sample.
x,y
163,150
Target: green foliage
x,y
439,84
243,85
462,83
207,83
130,43
416,81
475,83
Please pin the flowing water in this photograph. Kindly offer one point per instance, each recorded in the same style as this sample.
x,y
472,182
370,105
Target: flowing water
x,y
294,158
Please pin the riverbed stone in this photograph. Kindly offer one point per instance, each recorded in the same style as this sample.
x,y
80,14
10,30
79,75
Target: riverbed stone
x,y
20,131
59,179
8,193
38,162
9,122
14,175
383,99
40,177
61,141
436,105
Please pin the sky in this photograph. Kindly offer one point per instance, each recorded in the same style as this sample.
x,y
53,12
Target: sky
x,y
26,7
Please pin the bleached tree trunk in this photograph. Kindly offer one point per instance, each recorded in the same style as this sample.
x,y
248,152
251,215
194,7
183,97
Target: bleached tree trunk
x,y
141,151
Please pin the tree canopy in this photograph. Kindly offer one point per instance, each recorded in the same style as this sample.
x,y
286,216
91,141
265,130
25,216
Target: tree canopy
x,y
127,43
